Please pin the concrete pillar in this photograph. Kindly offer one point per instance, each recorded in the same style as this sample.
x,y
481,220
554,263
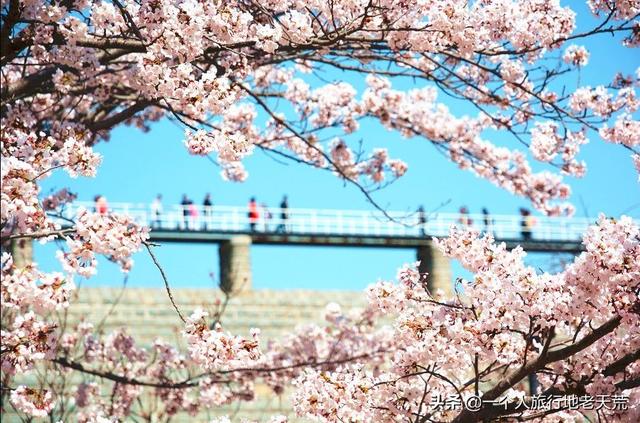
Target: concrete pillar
x,y
22,252
438,267
235,264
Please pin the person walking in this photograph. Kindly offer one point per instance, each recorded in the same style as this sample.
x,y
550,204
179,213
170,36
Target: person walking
x,y
156,212
101,207
206,210
464,218
488,222
253,214
422,220
284,215
193,216
527,222
185,211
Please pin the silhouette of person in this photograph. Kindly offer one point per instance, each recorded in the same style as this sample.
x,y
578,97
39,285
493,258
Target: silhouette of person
x,y
206,209
464,218
422,220
284,215
254,214
193,216
526,224
101,206
486,219
185,211
156,211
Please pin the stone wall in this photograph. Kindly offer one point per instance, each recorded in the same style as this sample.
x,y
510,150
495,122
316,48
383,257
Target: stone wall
x,y
147,314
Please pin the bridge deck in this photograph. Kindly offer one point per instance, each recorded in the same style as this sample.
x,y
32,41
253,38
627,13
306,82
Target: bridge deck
x,y
261,238
360,228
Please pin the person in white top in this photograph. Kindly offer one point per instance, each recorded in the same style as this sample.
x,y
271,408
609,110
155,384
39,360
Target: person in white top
x,y
156,211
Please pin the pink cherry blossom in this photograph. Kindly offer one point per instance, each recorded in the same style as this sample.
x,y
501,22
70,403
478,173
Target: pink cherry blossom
x,y
33,403
576,55
298,80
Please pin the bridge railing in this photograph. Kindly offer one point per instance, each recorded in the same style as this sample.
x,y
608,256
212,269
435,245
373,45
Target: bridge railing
x,y
235,219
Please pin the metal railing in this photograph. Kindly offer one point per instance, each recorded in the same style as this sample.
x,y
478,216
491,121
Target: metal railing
x,y
235,219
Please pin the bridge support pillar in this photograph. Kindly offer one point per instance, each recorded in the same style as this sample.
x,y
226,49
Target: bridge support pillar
x,y
438,267
235,264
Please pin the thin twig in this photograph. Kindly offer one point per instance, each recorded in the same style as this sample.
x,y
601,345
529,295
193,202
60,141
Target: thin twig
x,y
166,281
114,305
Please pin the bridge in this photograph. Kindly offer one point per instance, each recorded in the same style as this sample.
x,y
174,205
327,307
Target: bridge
x,y
235,231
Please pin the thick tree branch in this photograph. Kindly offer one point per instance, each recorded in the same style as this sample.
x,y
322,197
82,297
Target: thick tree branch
x,y
543,359
119,117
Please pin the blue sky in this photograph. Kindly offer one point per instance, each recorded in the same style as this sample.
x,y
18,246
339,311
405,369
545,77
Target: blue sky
x,y
138,165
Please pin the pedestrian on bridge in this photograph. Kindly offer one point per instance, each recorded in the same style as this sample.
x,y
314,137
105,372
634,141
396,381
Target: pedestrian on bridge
x,y
464,218
526,224
101,206
253,214
422,220
206,210
284,215
193,216
156,211
185,203
487,220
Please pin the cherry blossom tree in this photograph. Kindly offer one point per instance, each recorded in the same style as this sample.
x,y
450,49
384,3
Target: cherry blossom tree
x,y
235,74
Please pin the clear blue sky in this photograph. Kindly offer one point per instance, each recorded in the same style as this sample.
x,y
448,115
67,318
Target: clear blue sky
x,y
138,165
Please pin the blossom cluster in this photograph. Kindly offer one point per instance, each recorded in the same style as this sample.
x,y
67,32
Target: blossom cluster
x,y
33,403
434,339
576,55
546,144
28,287
115,236
198,63
242,76
214,350
28,341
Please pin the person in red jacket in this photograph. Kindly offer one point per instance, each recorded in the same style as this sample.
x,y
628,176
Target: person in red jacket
x,y
254,214
101,206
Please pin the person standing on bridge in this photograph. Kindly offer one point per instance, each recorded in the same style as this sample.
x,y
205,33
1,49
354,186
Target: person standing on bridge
x,y
156,212
488,222
193,216
422,220
185,211
464,218
254,214
527,223
206,210
284,215
101,206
